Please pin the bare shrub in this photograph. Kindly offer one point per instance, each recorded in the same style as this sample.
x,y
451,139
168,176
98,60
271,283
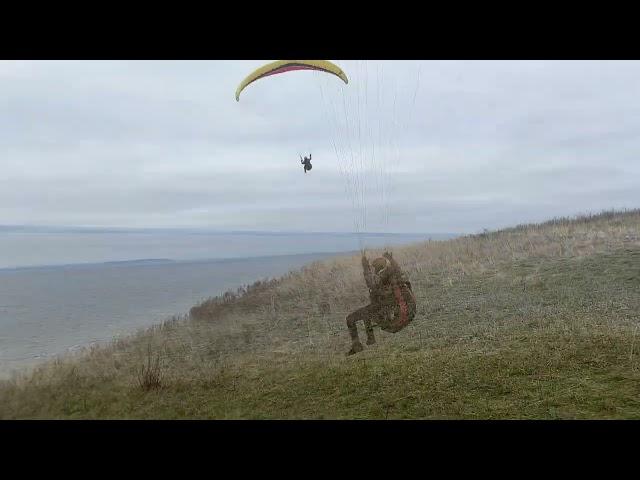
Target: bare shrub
x,y
149,375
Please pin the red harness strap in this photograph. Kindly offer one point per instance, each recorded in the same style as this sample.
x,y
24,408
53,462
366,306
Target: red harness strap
x,y
404,311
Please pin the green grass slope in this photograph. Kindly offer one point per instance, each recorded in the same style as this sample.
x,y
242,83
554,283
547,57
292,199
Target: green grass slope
x,y
537,321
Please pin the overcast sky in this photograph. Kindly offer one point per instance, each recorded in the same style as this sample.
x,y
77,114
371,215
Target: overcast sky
x,y
480,144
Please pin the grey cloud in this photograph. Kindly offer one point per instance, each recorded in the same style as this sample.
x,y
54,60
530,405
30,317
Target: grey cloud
x,y
479,144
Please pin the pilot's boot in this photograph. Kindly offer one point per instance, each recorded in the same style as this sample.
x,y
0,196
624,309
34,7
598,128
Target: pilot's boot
x,y
355,348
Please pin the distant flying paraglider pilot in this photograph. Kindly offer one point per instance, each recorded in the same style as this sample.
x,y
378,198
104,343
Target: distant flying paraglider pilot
x,y
393,305
306,162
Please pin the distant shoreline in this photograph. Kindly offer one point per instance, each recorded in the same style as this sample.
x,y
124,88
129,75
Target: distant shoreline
x,y
36,250
202,231
166,261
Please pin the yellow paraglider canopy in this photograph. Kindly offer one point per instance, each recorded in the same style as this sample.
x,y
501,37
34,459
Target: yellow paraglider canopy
x,y
282,66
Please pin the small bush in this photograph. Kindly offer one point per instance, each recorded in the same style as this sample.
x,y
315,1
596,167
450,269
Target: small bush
x,y
149,376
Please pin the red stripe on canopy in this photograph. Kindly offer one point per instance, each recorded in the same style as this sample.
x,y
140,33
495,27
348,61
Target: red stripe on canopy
x,y
289,68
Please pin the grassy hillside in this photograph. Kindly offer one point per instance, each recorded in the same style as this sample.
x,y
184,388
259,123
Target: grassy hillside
x,y
536,321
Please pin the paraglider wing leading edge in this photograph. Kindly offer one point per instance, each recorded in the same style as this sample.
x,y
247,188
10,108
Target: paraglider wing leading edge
x,y
282,66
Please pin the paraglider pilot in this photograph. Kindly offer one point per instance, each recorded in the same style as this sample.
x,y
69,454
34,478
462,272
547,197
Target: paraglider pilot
x,y
306,162
393,305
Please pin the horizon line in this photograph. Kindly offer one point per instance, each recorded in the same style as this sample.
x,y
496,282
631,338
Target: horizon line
x,y
205,229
